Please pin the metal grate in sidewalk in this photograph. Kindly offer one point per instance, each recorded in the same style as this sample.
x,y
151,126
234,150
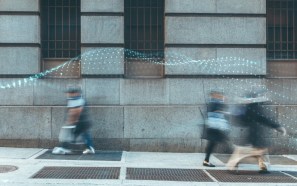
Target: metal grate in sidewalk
x,y
167,174
51,172
77,155
250,177
274,159
292,173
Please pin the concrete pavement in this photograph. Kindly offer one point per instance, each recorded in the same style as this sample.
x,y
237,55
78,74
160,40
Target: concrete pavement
x,y
25,159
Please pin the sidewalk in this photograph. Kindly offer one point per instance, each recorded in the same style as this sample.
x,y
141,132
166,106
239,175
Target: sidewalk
x,y
134,169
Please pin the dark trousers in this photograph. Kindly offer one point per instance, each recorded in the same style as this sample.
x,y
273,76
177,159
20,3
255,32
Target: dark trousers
x,y
209,149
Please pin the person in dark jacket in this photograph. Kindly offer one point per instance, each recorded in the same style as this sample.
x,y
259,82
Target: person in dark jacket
x,y
256,121
216,124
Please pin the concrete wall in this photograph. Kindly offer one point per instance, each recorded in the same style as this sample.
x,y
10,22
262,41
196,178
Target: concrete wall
x,y
215,61
170,120
20,30
215,30
102,60
212,30
102,29
102,6
216,6
214,37
19,5
19,60
102,23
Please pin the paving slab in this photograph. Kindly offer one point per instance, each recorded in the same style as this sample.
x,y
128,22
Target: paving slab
x,y
18,153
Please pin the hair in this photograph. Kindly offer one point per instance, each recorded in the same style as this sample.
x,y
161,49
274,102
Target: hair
x,y
73,89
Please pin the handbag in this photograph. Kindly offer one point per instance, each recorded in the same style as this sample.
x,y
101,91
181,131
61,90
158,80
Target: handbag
x,y
217,121
67,133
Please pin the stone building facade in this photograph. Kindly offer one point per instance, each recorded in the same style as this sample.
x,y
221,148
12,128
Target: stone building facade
x,y
164,113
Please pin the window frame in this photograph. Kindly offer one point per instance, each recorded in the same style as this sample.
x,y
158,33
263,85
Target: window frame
x,y
145,38
61,47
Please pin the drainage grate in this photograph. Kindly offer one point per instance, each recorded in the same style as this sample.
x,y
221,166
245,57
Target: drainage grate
x,y
274,159
292,173
78,173
7,168
167,174
251,176
99,156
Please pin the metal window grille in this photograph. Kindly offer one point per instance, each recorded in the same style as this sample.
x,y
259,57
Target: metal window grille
x,y
281,29
60,20
144,37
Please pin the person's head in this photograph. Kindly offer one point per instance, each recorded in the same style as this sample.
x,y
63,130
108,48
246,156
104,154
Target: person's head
x,y
216,95
257,96
73,91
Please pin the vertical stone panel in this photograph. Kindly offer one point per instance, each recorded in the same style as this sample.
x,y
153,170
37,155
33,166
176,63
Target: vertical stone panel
x,y
215,30
162,122
102,6
103,91
186,91
19,5
102,29
25,123
216,6
16,91
19,60
19,29
144,91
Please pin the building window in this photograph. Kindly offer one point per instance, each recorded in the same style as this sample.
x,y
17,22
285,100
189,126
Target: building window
x,y
60,34
144,38
281,29
282,38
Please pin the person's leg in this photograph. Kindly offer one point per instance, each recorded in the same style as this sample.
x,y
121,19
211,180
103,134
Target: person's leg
x,y
65,136
88,139
209,149
89,143
234,158
264,161
239,153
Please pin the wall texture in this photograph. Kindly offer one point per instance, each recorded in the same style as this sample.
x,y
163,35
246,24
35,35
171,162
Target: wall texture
x,y
202,39
19,37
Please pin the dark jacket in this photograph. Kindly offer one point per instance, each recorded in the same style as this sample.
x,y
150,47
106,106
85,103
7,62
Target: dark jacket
x,y
84,122
257,124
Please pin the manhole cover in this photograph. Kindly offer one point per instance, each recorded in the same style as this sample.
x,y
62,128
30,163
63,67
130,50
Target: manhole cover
x,y
251,176
167,174
78,173
7,168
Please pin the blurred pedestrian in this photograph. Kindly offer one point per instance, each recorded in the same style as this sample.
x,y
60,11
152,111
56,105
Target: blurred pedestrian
x,y
255,120
77,123
217,124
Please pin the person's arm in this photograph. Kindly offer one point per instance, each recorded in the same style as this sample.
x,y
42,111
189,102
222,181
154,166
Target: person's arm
x,y
267,122
73,115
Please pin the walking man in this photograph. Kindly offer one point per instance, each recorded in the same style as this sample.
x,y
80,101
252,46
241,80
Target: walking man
x,y
256,122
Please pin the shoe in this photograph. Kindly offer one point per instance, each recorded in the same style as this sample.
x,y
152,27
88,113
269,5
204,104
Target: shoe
x,y
264,171
61,150
89,150
207,164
